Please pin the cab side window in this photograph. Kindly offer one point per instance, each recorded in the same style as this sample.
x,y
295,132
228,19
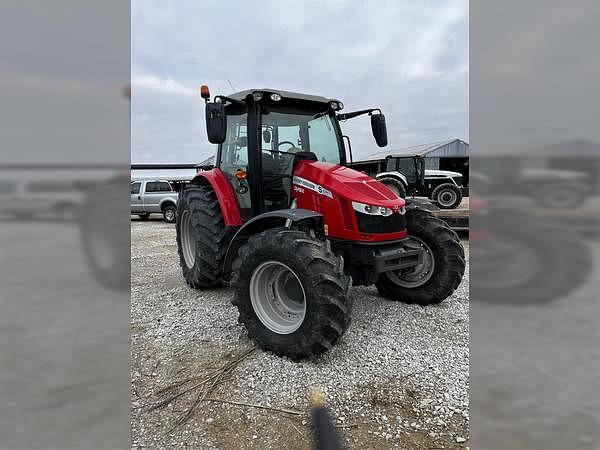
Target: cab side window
x,y
158,186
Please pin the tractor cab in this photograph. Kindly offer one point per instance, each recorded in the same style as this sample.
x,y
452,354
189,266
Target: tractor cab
x,y
285,128
411,167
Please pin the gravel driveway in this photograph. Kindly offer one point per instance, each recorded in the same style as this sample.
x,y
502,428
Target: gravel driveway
x,y
397,379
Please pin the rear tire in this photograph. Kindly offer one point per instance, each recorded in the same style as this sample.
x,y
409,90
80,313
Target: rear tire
x,y
394,185
447,196
202,237
447,269
144,216
305,331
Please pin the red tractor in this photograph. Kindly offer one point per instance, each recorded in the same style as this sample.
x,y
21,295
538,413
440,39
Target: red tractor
x,y
283,221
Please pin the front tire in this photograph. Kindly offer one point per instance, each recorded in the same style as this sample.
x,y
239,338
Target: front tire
x,y
291,293
447,196
202,237
442,269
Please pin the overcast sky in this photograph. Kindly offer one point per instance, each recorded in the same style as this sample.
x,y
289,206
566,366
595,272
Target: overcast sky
x,y
408,58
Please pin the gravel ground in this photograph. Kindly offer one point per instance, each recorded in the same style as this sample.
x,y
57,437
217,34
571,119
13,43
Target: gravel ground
x,y
398,378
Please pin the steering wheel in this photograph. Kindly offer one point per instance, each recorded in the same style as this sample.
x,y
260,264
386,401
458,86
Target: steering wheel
x,y
286,142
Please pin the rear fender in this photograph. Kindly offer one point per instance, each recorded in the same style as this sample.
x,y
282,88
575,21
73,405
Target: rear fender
x,y
273,219
396,175
225,195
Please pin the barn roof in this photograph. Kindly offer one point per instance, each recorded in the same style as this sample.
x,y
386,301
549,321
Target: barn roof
x,y
448,148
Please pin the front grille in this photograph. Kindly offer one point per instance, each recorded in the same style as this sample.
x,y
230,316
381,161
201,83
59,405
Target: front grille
x,y
379,224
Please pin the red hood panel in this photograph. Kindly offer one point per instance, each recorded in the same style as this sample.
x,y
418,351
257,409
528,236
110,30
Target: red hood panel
x,y
348,183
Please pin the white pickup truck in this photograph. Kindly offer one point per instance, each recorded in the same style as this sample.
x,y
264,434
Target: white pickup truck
x,y
153,196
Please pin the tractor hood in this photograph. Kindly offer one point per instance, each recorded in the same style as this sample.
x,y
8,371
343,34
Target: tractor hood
x,y
348,183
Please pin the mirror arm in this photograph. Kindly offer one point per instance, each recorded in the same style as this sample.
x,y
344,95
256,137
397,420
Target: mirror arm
x,y
353,114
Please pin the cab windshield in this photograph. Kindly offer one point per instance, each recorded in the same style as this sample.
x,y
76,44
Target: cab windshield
x,y
286,133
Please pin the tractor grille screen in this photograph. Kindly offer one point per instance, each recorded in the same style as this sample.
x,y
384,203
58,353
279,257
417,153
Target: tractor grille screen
x,y
379,224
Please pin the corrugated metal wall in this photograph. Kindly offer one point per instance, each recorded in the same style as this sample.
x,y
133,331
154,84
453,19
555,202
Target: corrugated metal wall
x,y
455,149
432,163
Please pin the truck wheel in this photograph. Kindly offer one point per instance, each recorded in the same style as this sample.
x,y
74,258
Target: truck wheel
x,y
144,216
394,185
441,271
169,213
447,196
291,293
202,237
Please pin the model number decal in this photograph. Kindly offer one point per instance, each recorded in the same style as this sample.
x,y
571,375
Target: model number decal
x,y
312,186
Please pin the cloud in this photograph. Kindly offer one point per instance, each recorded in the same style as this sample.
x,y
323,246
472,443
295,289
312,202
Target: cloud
x,y
408,58
162,85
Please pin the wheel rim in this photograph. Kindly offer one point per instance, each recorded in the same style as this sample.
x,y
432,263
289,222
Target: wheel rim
x,y
188,241
447,197
278,297
169,214
418,275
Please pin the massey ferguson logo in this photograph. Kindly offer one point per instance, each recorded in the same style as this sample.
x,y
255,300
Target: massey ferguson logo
x,y
312,186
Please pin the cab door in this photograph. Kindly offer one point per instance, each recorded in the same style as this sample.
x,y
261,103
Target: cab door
x,y
234,161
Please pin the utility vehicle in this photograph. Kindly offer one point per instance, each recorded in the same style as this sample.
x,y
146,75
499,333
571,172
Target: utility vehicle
x,y
406,175
283,220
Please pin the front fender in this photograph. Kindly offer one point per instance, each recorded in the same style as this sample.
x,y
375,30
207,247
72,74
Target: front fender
x,y
273,219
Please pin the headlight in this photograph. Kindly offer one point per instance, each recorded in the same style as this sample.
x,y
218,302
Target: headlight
x,y
371,209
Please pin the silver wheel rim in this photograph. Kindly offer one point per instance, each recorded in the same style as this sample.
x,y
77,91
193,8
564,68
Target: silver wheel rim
x,y
418,275
188,241
277,297
169,214
447,197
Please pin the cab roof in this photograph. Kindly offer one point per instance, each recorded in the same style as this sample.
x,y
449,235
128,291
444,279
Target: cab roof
x,y
285,94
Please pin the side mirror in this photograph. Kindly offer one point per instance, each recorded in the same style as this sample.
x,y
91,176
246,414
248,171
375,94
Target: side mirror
x,y
267,136
216,122
379,129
